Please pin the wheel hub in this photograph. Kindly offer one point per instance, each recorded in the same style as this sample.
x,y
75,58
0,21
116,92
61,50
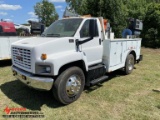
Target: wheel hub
x,y
73,85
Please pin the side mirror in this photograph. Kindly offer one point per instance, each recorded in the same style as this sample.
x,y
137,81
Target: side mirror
x,y
92,28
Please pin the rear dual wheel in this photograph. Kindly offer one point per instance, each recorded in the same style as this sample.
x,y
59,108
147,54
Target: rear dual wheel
x,y
69,85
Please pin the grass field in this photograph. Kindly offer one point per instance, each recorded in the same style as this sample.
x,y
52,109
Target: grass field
x,y
131,97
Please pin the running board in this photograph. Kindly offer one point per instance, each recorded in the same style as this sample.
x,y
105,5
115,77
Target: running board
x,y
98,80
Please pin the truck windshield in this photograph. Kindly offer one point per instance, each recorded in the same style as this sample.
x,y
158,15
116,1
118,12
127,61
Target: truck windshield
x,y
63,28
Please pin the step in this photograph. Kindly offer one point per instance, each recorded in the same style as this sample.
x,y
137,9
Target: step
x,y
98,80
96,67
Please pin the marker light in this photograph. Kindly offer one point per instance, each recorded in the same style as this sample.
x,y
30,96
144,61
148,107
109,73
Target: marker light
x,y
44,56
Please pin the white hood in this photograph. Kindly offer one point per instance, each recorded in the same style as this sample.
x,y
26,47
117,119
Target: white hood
x,y
35,41
49,45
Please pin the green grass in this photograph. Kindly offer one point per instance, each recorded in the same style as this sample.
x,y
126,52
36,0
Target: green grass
x,y
132,97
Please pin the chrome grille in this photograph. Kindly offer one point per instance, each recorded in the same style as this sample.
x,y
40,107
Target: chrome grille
x,y
22,57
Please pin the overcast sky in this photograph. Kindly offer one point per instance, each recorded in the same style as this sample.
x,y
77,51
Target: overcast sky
x,y
20,11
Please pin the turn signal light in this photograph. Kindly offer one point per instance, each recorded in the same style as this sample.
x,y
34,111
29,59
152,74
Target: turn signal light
x,y
44,56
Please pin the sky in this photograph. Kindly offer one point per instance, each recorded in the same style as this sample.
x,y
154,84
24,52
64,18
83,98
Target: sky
x,y
20,11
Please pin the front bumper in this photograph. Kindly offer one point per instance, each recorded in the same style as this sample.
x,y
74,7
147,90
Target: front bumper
x,y
34,81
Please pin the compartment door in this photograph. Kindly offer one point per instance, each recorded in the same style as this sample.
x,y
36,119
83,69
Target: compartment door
x,y
116,53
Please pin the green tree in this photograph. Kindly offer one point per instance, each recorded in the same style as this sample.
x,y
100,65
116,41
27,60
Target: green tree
x,y
75,4
151,32
46,12
136,8
115,11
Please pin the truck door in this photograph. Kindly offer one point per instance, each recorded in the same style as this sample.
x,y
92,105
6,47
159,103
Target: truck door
x,y
93,48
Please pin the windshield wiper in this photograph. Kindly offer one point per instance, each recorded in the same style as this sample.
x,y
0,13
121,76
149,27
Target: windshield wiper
x,y
53,35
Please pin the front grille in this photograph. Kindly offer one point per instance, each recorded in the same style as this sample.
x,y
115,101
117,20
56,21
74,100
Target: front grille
x,y
22,57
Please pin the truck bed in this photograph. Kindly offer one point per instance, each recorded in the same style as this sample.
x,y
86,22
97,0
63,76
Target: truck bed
x,y
115,52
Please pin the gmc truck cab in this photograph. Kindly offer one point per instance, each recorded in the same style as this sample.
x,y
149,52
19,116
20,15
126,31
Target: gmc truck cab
x,y
72,53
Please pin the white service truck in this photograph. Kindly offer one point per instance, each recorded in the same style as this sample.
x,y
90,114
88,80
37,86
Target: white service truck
x,y
72,53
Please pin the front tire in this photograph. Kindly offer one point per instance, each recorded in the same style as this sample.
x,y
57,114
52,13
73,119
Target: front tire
x,y
69,85
129,65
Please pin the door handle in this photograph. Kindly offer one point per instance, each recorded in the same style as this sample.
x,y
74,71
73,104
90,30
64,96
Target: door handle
x,y
100,41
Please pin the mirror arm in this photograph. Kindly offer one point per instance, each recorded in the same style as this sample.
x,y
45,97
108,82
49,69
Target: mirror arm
x,y
82,42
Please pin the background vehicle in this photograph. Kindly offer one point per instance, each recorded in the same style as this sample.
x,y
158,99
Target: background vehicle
x,y
70,54
36,27
7,29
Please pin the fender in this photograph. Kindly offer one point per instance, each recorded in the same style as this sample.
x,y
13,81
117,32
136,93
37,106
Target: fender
x,y
133,53
60,60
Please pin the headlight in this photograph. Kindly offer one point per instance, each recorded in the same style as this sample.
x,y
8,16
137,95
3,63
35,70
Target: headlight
x,y
42,69
48,69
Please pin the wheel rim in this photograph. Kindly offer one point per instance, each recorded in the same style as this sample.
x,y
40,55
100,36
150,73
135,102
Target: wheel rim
x,y
73,85
130,64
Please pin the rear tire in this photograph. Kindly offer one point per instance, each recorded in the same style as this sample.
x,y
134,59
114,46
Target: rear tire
x,y
69,85
129,65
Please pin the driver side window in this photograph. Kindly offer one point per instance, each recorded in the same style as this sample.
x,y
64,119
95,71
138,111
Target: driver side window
x,y
85,30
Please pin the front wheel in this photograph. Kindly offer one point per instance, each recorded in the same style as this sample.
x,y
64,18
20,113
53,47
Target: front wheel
x,y
69,85
129,65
